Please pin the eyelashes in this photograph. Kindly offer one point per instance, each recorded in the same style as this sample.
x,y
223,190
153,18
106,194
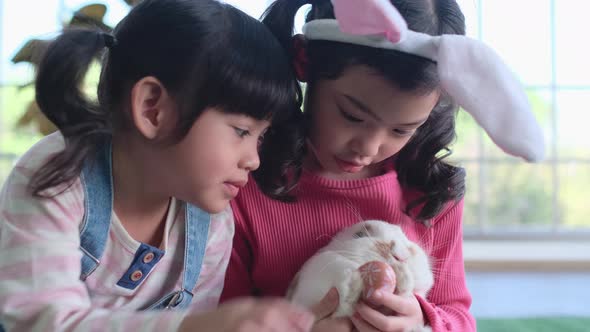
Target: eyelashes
x,y
262,135
401,132
349,117
353,119
241,132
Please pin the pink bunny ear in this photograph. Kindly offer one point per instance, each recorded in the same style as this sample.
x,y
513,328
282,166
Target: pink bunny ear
x,y
367,17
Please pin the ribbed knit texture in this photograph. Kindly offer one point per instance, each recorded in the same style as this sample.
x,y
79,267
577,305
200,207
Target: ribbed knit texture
x,y
273,239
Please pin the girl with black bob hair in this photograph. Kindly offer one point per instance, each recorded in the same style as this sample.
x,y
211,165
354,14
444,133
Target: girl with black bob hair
x,y
126,207
420,165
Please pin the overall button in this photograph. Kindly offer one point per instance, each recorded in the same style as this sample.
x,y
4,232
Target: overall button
x,y
136,275
148,257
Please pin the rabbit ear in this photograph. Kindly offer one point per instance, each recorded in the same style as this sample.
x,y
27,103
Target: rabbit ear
x,y
375,17
470,72
479,81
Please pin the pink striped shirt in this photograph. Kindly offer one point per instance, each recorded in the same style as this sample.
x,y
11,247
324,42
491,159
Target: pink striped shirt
x,y
273,239
40,289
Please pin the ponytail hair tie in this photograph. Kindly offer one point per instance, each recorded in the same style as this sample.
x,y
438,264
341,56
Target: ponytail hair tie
x,y
109,40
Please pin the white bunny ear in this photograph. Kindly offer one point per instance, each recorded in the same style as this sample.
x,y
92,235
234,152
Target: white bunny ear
x,y
479,81
470,72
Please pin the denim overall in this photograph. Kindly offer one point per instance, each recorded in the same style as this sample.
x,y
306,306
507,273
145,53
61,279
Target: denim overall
x,y
98,206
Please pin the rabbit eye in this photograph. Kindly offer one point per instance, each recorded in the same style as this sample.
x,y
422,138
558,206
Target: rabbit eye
x,y
360,234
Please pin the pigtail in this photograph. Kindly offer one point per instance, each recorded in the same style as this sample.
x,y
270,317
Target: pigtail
x,y
80,121
281,158
421,165
283,149
279,17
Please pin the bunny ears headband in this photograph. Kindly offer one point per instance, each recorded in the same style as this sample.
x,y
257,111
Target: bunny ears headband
x,y
470,72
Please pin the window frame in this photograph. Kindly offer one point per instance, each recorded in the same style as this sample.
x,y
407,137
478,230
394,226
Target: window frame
x,y
483,230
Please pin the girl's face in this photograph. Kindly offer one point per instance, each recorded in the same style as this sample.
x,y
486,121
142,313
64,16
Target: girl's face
x,y
212,162
359,120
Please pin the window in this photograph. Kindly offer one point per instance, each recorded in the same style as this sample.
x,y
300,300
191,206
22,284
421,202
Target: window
x,y
505,197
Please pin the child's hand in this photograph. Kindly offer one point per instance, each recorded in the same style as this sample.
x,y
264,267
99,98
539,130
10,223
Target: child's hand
x,y
322,311
407,314
251,315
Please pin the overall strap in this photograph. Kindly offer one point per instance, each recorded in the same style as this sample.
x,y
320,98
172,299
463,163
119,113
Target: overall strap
x,y
197,224
98,190
98,205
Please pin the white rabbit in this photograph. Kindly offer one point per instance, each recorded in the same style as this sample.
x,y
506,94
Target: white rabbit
x,y
336,265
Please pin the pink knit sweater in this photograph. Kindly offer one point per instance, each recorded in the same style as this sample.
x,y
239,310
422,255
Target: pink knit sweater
x,y
273,239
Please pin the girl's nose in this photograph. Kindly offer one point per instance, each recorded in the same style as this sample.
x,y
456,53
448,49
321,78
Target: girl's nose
x,y
250,161
367,145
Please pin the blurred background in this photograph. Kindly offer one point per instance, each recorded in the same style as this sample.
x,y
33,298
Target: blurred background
x,y
527,226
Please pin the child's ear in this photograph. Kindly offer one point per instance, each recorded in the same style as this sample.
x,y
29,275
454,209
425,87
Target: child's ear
x,y
300,60
152,109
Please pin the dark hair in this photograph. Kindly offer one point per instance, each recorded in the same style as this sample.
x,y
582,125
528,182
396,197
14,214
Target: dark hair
x,y
205,53
420,164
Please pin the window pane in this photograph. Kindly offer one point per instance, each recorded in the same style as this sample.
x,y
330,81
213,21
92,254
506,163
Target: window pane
x,y
472,201
13,105
572,53
519,195
19,24
519,31
6,163
470,11
573,123
253,8
574,192
468,137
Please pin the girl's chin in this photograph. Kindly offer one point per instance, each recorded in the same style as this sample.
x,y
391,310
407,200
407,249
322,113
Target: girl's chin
x,y
355,173
334,170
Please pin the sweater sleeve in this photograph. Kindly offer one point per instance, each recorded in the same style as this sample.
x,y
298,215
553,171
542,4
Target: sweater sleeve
x,y
40,287
238,279
446,306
